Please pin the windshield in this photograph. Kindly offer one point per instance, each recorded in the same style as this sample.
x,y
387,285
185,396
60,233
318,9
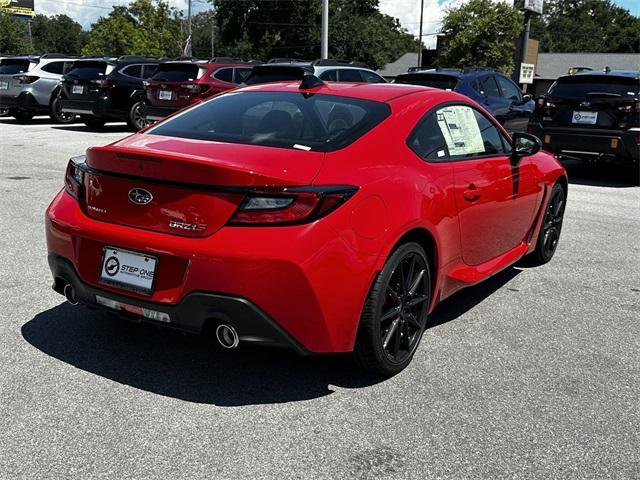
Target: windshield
x,y
594,86
278,119
9,67
87,70
176,72
443,82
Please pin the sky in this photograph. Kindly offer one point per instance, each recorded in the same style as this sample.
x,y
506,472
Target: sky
x,y
407,11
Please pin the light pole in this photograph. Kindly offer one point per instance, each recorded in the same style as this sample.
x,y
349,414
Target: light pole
x,y
189,41
324,47
420,35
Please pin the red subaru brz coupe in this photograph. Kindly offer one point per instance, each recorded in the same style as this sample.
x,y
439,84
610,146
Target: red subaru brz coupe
x,y
320,217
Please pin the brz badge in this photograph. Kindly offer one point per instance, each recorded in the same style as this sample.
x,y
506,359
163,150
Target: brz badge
x,y
193,227
140,196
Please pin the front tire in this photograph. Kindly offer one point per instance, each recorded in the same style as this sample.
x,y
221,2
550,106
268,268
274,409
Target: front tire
x,y
551,227
395,312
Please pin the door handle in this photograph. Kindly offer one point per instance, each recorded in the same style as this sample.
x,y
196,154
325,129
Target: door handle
x,y
471,194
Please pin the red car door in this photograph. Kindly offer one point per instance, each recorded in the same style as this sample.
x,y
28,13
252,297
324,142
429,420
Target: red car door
x,y
495,195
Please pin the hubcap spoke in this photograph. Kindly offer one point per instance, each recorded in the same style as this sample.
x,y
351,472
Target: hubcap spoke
x,y
416,282
413,321
417,300
390,332
391,313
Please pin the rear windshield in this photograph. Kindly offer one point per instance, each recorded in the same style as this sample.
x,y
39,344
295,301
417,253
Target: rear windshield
x,y
275,74
176,72
13,66
443,82
594,86
87,70
278,119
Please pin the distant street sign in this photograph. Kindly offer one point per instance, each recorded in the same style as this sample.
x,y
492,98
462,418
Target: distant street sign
x,y
526,72
534,6
17,7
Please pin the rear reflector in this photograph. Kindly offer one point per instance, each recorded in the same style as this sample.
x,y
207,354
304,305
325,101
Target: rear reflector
x,y
133,309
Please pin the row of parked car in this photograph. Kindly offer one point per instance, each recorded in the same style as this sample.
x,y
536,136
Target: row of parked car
x,y
586,114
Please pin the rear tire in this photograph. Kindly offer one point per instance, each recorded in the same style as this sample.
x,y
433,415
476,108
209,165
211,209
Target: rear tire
x,y
22,116
57,115
4,112
136,118
92,122
395,313
550,229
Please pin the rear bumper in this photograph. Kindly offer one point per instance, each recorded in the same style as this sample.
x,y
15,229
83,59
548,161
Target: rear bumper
x,y
24,101
154,114
100,107
589,143
191,314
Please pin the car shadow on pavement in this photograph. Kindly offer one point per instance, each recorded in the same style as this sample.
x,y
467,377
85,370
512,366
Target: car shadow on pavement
x,y
33,121
193,368
82,128
605,175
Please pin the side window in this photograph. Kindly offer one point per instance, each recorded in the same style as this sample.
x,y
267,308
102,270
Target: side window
x,y
67,66
54,67
148,70
348,75
329,76
456,132
133,71
488,86
241,75
371,77
509,90
224,74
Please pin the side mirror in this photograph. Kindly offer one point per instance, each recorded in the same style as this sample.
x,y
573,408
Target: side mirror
x,y
525,145
527,97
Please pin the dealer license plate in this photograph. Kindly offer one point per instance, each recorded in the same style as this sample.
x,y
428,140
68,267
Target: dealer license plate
x,y
584,118
128,270
164,95
4,85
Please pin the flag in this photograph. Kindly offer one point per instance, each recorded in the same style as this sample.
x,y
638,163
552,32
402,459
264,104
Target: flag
x,y
186,51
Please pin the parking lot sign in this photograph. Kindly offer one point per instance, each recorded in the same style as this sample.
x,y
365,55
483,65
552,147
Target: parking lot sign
x,y
534,6
526,72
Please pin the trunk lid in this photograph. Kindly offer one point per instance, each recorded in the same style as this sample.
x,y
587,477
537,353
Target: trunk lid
x,y
84,80
175,84
143,182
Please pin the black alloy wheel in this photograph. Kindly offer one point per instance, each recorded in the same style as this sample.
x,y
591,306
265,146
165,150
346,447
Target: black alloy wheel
x,y
136,118
57,115
395,312
551,227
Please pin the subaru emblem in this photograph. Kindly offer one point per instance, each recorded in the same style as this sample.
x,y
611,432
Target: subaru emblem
x,y
140,196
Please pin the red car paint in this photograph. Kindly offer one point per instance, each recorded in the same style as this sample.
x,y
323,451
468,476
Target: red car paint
x,y
478,215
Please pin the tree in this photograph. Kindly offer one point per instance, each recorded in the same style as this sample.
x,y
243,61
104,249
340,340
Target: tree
x,y
12,37
586,26
201,25
481,33
292,28
144,27
59,34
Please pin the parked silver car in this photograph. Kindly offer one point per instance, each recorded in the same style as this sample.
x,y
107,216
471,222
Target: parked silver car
x,y
29,86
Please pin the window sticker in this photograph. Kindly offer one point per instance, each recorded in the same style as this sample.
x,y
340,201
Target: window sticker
x,y
460,130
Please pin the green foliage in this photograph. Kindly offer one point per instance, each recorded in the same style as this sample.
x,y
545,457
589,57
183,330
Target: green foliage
x,y
144,27
481,33
201,25
357,31
12,38
586,26
59,34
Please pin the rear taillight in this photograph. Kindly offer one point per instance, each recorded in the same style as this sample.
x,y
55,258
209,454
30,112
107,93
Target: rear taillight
x,y
290,206
543,105
196,88
630,108
26,79
74,177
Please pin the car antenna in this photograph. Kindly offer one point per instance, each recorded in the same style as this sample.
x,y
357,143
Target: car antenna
x,y
310,81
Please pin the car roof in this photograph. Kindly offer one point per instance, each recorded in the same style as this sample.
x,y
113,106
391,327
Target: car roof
x,y
618,73
381,92
454,72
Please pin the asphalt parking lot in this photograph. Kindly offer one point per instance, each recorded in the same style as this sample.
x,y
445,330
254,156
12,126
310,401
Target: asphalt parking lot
x,y
533,374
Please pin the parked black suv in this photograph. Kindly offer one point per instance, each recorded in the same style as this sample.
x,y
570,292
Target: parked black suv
x,y
103,90
592,115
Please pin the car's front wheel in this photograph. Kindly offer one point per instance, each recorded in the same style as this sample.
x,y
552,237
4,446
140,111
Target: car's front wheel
x,y
549,235
395,312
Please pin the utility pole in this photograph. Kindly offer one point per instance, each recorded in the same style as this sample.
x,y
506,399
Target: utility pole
x,y
213,31
420,35
524,45
30,37
324,48
189,40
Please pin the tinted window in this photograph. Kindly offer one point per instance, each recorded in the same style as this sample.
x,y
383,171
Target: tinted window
x,y
149,70
133,71
176,72
456,132
241,75
267,74
290,120
349,76
582,86
509,90
443,82
488,86
54,67
224,74
87,70
371,77
14,66
329,76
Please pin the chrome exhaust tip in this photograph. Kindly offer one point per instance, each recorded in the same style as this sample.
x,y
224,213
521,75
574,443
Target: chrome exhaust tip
x,y
227,336
70,294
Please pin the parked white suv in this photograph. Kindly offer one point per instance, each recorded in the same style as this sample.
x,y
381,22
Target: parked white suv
x,y
29,86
